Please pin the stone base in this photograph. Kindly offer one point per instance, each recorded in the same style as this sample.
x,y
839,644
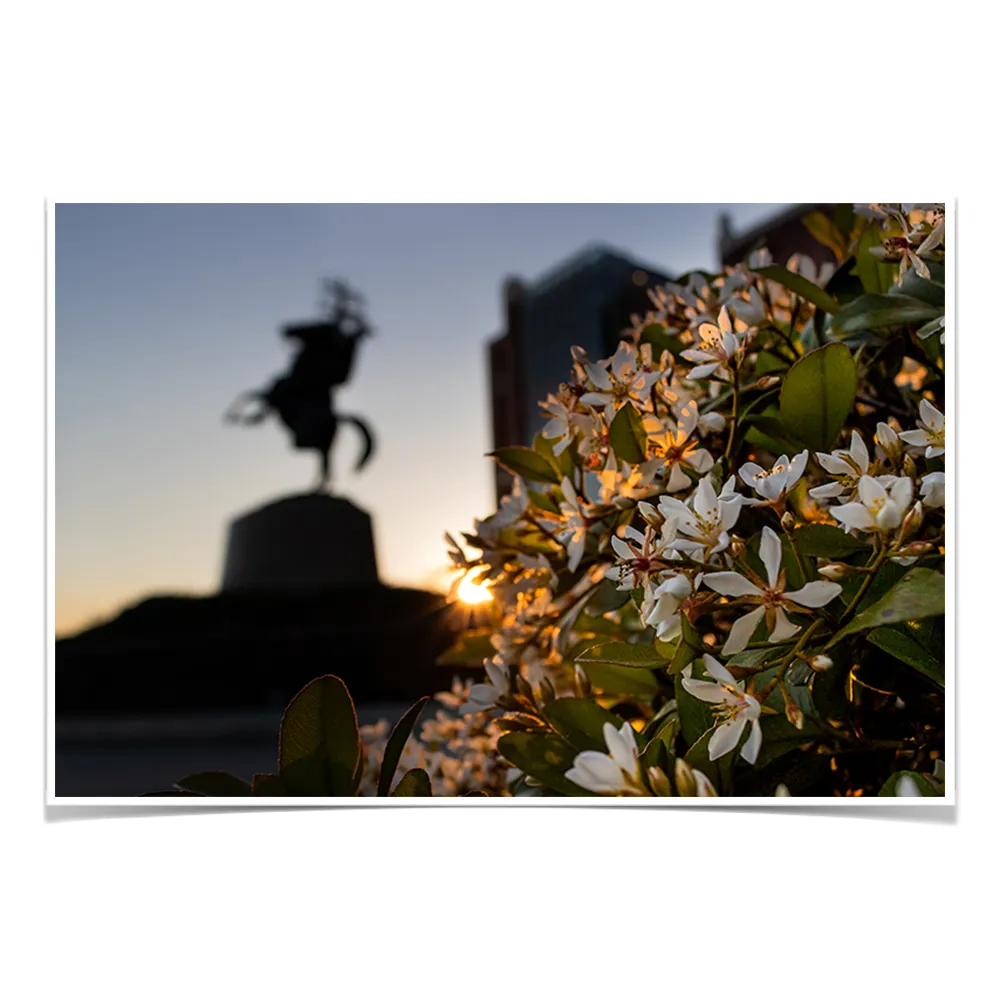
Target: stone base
x,y
306,542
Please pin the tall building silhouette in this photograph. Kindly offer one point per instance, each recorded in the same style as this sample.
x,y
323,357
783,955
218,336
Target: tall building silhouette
x,y
587,300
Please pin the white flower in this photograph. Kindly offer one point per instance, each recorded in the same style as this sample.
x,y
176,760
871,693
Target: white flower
x,y
636,562
799,263
847,467
770,596
734,709
626,380
876,509
773,484
484,696
718,344
616,772
751,312
711,423
676,449
563,423
887,446
930,432
907,787
631,482
706,522
573,533
932,489
662,608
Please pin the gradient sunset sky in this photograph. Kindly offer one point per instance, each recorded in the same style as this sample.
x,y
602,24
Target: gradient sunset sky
x,y
165,313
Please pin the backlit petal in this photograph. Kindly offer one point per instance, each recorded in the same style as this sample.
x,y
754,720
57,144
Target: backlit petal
x,y
743,628
770,555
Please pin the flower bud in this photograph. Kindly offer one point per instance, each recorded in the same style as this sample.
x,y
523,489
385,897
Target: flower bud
x,y
794,714
583,688
835,570
912,522
737,547
782,792
821,663
651,515
788,520
915,550
684,779
766,382
524,688
659,782
909,467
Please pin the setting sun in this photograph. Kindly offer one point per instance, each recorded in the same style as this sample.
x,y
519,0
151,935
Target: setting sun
x,y
470,592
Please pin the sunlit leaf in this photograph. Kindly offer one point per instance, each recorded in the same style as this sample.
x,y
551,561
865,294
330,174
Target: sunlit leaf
x,y
527,463
318,746
580,722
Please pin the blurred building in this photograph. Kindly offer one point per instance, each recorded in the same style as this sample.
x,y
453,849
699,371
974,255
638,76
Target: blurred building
x,y
782,234
588,300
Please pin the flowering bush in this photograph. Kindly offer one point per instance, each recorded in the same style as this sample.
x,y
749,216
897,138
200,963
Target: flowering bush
x,y
720,570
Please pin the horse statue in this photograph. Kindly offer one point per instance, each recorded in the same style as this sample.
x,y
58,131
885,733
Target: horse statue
x,y
303,399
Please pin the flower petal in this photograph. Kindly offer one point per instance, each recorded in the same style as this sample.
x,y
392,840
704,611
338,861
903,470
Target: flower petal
x,y
751,748
718,671
817,593
725,738
783,628
770,555
743,628
732,585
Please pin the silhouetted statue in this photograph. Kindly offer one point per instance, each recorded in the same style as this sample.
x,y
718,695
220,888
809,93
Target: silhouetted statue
x,y
303,398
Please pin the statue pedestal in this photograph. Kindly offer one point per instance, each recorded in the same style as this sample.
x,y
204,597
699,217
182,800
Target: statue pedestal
x,y
306,542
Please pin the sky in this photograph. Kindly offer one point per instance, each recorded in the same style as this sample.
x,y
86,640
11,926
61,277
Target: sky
x,y
164,313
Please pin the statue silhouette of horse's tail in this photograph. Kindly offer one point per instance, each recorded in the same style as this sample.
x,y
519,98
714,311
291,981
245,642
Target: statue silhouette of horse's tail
x,y
366,436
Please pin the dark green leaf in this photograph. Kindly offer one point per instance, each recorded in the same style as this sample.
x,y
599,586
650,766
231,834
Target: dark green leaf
x,y
413,784
801,286
546,757
695,715
623,654
621,680
876,277
627,435
269,785
607,598
818,395
897,642
827,541
395,744
527,463
876,312
470,650
318,747
920,594
215,783
580,722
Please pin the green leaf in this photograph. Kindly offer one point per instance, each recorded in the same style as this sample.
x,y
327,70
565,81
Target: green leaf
x,y
823,229
920,594
269,785
563,461
546,757
818,395
318,747
607,597
876,278
215,783
801,286
527,463
927,786
623,654
395,744
915,287
627,435
414,783
621,680
580,722
898,643
687,649
827,541
876,312
470,650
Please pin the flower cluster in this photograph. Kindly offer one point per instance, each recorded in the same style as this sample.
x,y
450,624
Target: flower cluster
x,y
705,561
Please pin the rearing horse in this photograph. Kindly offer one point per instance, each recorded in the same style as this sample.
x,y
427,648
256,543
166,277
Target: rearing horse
x,y
303,398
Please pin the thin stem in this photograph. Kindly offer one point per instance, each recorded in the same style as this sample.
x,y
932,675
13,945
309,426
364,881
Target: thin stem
x,y
787,660
872,569
732,423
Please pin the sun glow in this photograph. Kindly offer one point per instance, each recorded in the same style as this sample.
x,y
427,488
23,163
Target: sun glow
x,y
470,592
